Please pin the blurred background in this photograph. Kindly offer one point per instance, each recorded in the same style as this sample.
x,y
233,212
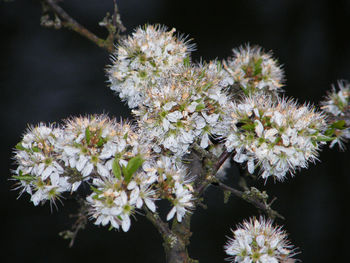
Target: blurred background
x,y
48,75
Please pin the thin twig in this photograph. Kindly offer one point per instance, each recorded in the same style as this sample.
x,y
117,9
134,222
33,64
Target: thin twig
x,y
72,24
260,205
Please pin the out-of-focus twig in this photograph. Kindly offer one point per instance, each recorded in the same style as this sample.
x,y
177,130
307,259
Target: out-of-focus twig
x,y
62,18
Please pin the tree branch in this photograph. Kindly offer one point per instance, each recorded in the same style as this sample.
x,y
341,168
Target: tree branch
x,y
71,23
160,225
252,200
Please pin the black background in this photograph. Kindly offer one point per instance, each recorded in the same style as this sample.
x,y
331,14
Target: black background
x,y
47,75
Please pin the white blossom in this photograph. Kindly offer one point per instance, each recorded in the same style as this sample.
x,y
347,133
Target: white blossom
x,y
279,137
39,171
258,241
142,59
255,71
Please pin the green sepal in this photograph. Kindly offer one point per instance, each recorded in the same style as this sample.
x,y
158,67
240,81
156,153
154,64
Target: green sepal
x,y
87,135
133,165
340,125
116,169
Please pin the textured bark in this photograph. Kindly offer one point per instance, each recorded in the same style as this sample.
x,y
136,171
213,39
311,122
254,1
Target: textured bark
x,y
175,245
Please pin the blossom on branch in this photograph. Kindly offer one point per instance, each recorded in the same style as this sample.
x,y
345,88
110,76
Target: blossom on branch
x,y
255,71
259,241
143,58
39,171
279,137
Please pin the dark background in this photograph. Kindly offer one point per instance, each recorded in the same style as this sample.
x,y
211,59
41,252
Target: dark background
x,y
47,75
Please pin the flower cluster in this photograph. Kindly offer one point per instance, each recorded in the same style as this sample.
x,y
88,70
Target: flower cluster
x,y
187,107
180,106
255,71
123,173
259,241
39,173
337,108
142,59
279,137
338,101
175,185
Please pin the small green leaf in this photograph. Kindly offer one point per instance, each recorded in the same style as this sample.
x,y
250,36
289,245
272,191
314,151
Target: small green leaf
x,y
324,139
19,146
133,165
35,149
248,126
24,177
97,191
87,135
338,125
116,169
125,136
258,67
100,142
200,107
187,62
207,86
329,132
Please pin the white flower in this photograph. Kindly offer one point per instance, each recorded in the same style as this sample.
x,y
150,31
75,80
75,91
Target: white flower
x,y
182,202
142,59
337,102
279,137
40,171
259,241
255,71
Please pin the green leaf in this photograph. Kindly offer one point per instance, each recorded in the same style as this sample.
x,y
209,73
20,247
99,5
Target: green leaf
x,y
329,132
24,177
35,149
248,126
96,190
133,165
258,67
187,61
324,139
100,142
87,135
207,86
200,107
340,125
116,168
19,146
